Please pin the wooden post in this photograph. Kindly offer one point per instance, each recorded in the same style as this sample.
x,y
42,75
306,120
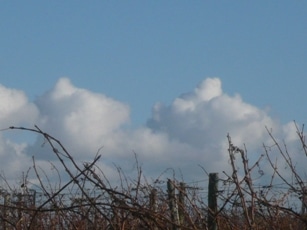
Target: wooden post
x,y
6,197
181,205
153,204
172,204
212,201
304,208
304,201
153,200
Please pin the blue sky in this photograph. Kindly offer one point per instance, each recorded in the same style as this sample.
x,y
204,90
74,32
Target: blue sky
x,y
164,66
141,52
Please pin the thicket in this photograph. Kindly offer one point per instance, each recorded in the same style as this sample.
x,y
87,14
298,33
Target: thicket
x,y
91,201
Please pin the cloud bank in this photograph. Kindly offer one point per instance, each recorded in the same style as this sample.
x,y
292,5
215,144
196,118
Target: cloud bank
x,y
191,131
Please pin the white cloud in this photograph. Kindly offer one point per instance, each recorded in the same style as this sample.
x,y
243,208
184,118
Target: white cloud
x,y
13,159
15,108
189,132
208,89
81,119
202,119
212,117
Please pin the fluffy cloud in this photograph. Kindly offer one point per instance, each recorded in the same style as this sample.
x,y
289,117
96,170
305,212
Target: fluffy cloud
x,y
191,131
204,117
13,159
81,119
15,108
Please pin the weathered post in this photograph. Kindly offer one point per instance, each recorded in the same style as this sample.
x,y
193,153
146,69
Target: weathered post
x,y
181,205
304,208
172,204
153,200
212,201
153,204
6,197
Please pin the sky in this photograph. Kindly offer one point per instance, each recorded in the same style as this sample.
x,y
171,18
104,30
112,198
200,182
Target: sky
x,y
164,79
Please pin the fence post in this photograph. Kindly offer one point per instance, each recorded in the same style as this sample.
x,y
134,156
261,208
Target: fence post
x,y
304,208
212,201
153,204
181,205
153,200
172,204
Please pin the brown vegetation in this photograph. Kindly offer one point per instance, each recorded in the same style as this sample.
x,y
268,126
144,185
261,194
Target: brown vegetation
x,y
89,201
